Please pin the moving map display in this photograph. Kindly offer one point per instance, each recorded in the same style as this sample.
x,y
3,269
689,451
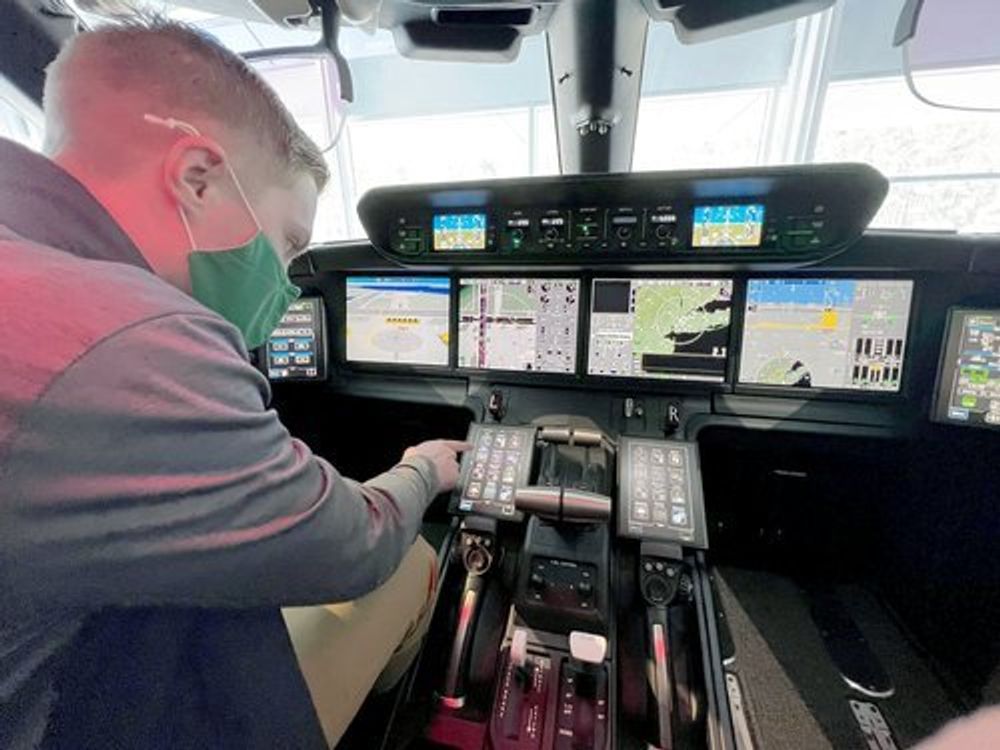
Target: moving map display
x,y
660,328
518,324
728,226
460,232
825,333
398,319
969,383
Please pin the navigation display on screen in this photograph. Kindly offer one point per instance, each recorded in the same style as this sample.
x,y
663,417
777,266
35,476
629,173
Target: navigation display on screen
x,y
825,333
969,383
518,324
660,328
728,226
398,319
460,232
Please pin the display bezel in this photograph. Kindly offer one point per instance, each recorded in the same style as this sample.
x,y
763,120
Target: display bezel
x,y
941,398
843,394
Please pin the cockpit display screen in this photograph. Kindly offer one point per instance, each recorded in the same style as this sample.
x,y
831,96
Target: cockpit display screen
x,y
296,349
459,232
398,319
528,325
728,226
844,334
660,328
969,382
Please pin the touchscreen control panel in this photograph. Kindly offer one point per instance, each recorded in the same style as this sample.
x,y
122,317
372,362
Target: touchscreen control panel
x,y
968,391
660,492
296,350
496,466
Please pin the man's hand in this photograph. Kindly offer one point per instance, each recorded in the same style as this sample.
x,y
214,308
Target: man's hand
x,y
444,455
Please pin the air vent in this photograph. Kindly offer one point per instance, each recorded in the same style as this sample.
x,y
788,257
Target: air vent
x,y
486,17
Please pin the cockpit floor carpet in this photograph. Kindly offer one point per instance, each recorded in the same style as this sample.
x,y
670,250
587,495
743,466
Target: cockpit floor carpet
x,y
794,694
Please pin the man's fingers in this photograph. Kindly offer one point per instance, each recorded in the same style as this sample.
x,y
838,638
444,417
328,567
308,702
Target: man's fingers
x,y
458,445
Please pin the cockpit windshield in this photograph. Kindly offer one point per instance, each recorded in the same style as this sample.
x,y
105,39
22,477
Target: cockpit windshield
x,y
828,87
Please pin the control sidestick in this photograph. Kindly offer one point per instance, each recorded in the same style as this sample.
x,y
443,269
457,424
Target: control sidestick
x,y
476,550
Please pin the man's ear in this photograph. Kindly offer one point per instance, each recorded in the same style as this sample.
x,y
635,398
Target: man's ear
x,y
194,167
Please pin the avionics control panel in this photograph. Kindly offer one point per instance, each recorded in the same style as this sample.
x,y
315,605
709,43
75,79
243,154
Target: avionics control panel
x,y
296,350
968,391
499,463
660,492
777,213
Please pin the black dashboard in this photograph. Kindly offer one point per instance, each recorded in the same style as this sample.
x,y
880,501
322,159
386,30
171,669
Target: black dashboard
x,y
766,299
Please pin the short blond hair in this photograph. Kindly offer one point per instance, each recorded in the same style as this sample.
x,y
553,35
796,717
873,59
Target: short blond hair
x,y
186,74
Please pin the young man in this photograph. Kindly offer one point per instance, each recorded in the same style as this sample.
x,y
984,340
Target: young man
x,y
154,514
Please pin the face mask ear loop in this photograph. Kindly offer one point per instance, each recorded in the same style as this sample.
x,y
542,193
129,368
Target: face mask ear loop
x,y
243,195
187,227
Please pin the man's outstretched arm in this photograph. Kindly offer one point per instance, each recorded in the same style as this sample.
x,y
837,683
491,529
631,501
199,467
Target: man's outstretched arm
x,y
152,472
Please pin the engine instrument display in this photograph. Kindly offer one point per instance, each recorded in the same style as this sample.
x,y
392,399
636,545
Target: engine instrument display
x,y
459,232
398,319
527,325
968,391
728,226
660,328
845,334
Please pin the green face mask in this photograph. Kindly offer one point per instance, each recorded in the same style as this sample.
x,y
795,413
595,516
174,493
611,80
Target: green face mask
x,y
246,285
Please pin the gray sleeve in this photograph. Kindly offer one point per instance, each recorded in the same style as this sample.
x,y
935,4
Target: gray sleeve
x,y
152,472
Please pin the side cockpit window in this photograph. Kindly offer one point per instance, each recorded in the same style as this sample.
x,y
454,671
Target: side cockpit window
x,y
20,118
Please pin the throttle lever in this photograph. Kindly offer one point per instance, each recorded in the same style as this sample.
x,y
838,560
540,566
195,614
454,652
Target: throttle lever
x,y
559,504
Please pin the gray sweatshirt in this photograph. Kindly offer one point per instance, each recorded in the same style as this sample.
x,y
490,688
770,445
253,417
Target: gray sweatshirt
x,y
139,462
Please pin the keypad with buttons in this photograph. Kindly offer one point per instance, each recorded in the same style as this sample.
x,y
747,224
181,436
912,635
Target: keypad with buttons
x,y
499,463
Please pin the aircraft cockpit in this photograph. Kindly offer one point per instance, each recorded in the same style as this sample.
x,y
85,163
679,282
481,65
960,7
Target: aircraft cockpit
x,y
731,477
